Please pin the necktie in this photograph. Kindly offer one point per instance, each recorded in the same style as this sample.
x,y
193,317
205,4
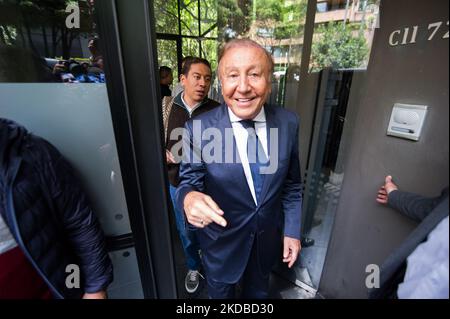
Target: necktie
x,y
256,157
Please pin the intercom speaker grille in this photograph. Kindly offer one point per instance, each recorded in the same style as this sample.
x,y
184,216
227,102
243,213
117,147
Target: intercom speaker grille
x,y
406,117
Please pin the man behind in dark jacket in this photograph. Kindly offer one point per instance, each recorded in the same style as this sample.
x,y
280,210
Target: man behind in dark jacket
x,y
193,101
51,243
418,268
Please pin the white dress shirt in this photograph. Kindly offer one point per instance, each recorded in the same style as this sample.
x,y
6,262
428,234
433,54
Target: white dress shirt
x,y
427,267
241,135
7,241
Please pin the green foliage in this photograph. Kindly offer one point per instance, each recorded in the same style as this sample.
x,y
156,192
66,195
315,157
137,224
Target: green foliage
x,y
166,14
292,22
208,17
209,52
282,19
48,17
167,55
272,20
269,10
189,17
233,17
338,47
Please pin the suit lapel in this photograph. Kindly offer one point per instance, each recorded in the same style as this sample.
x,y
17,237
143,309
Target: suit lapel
x,y
271,122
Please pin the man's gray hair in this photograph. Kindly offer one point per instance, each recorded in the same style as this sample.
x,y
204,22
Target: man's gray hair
x,y
238,43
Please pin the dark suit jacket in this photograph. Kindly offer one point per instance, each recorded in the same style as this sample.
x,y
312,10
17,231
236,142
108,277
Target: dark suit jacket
x,y
225,250
429,212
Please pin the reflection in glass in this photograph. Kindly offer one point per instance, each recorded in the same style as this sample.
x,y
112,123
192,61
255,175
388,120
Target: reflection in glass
x,y
38,45
343,35
341,44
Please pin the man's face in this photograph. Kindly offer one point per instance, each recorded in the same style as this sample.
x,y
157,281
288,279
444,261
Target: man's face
x,y
245,79
197,82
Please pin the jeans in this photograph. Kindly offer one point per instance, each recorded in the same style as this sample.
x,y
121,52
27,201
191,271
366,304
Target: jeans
x,y
188,239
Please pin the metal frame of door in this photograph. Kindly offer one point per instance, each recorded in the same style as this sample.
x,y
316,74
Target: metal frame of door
x,y
129,43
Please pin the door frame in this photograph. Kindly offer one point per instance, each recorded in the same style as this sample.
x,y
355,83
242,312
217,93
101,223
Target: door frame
x,y
129,42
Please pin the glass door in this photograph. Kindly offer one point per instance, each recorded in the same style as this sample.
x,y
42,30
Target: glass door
x,y
339,37
62,77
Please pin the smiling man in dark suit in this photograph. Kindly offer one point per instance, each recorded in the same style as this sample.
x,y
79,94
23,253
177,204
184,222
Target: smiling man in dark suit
x,y
243,210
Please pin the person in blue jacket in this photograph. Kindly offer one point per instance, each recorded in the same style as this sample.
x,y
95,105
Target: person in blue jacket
x,y
47,229
245,203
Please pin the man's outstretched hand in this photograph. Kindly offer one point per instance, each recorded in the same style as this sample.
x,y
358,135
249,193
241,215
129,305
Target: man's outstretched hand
x,y
201,210
383,192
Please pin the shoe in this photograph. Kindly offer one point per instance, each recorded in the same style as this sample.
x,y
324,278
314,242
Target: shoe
x,y
307,242
192,281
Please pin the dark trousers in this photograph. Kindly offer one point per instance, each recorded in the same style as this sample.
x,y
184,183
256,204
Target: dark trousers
x,y
255,284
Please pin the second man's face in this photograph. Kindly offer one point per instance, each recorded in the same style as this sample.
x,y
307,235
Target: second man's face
x,y
197,83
